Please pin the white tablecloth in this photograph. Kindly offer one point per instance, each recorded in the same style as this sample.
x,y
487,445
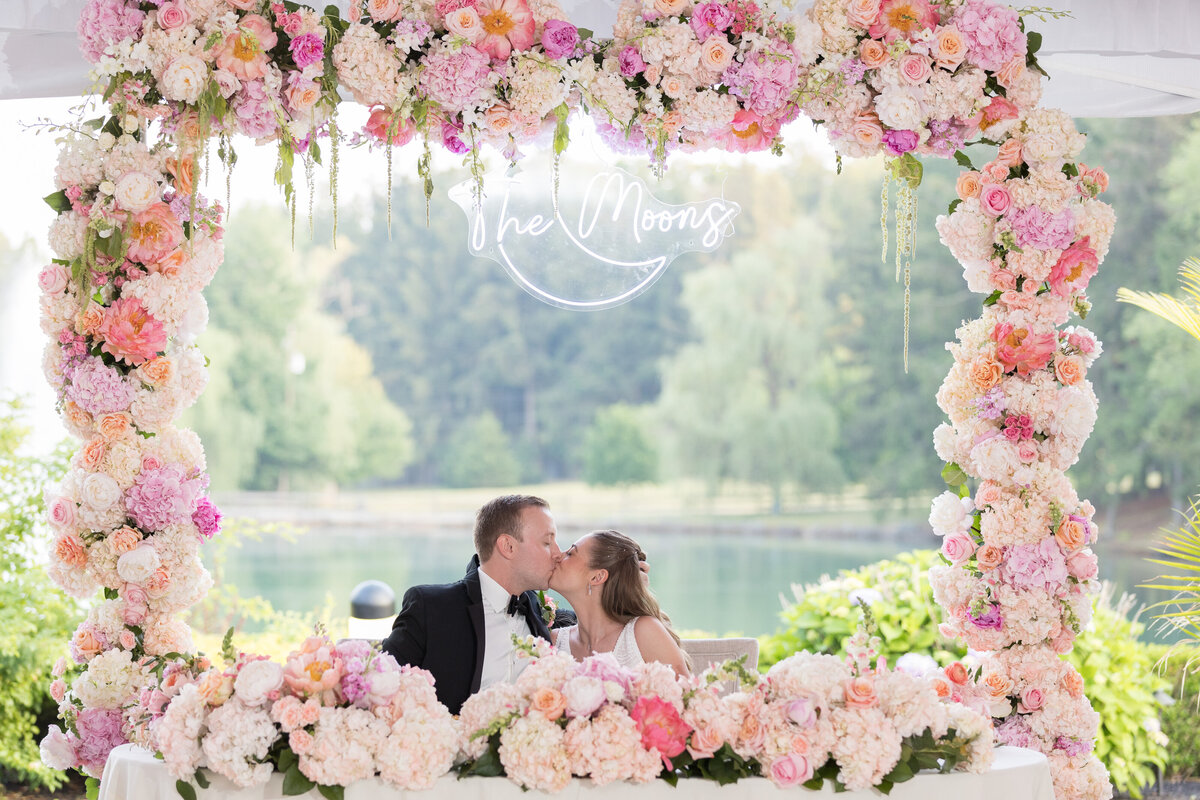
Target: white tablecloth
x,y
134,774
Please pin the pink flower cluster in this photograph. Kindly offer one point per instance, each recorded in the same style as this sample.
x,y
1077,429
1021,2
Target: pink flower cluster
x,y
346,710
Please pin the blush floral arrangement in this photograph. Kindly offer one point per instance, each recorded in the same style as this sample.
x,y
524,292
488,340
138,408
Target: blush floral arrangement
x,y
135,243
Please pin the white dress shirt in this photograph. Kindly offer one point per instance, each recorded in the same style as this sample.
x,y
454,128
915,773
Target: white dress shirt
x,y
500,664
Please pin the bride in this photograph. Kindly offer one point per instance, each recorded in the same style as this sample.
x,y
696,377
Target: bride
x,y
600,577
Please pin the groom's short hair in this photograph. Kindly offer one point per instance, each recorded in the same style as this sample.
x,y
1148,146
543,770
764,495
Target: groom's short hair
x,y
500,516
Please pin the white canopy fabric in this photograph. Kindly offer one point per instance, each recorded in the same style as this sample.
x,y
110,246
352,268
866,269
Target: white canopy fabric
x,y
1112,58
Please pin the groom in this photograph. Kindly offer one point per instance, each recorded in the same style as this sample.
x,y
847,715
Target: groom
x,y
462,632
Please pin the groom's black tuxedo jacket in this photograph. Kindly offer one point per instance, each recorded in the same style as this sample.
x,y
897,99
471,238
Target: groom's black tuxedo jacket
x,y
440,628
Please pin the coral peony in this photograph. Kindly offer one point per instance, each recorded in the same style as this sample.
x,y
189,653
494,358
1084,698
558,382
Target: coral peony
x,y
130,333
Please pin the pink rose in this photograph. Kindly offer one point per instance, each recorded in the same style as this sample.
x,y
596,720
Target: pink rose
x,y
867,131
58,689
62,513
863,13
465,22
706,741
1082,566
127,639
1027,451
914,69
790,770
242,5
173,15
53,279
958,547
301,741
995,200
802,711
1031,700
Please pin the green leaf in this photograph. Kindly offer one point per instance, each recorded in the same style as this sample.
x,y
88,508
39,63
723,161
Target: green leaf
x,y
955,203
201,781
332,792
287,760
1071,170
953,475
110,594
963,159
92,788
227,651
186,790
1035,42
992,298
295,783
58,201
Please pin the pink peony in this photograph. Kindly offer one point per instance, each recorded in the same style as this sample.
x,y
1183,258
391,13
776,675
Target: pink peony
x,y
58,749
559,38
661,727
130,334
1024,351
153,234
106,22
749,132
315,672
382,121
709,19
207,518
903,19
507,25
244,52
307,49
1074,268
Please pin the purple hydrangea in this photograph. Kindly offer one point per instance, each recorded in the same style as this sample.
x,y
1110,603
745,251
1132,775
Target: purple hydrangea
x,y
354,687
992,33
765,81
992,404
1072,747
254,115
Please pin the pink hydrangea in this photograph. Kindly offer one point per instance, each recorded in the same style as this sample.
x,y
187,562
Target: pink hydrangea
x,y
1036,566
99,732
254,115
764,81
106,22
98,388
130,333
455,80
1033,227
161,497
992,33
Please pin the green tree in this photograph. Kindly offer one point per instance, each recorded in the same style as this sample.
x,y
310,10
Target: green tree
x,y
479,453
36,618
617,450
293,401
745,399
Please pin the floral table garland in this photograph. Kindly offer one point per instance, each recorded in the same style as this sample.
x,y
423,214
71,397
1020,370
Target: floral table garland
x,y
136,244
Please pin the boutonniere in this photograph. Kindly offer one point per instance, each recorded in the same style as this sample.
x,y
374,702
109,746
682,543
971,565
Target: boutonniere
x,y
547,606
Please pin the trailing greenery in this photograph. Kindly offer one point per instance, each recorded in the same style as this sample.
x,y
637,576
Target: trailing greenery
x,y
36,618
1116,665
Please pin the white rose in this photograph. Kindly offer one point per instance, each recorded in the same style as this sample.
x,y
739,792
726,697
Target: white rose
x,y
584,695
256,680
136,191
100,491
184,79
107,140
950,513
138,564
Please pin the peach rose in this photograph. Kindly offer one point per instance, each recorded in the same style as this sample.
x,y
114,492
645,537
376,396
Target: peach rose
x,y
863,13
303,95
124,539
997,685
671,8
1009,153
183,169
465,22
957,673
92,454
88,321
672,121
716,53
988,493
968,185
1069,370
873,54
76,415
751,733
1072,683
242,5
652,73
215,687
126,639
949,49
860,693
1072,534
866,130
157,371
86,643
674,87
70,550
499,119
384,10
1011,72
550,703
941,686
113,426
985,373
989,557
994,172
1003,279
160,580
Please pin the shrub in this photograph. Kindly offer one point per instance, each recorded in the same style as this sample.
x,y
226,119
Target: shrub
x,y
1117,666
479,453
1179,714
36,618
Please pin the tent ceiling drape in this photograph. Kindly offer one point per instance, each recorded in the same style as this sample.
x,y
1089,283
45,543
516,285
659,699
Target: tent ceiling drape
x,y
1112,58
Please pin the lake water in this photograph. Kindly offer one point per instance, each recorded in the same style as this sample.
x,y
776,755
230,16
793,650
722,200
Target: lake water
x,y
719,583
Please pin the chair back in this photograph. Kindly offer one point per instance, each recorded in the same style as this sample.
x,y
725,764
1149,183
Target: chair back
x,y
704,653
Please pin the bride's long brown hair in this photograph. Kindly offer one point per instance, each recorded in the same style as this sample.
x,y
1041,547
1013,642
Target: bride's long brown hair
x,y
625,596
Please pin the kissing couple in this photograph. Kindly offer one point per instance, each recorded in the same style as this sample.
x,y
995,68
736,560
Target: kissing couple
x,y
463,632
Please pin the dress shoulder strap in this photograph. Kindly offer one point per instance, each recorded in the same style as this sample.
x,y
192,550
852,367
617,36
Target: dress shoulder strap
x,y
626,649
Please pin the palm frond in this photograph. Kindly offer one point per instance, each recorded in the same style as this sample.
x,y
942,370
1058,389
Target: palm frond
x,y
1184,313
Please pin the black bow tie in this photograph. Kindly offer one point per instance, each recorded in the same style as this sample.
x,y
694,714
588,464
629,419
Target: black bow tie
x,y
517,604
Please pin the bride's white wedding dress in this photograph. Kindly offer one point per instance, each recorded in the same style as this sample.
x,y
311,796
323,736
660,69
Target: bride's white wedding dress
x,y
625,650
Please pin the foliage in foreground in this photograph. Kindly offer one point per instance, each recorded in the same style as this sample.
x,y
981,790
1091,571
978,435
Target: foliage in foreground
x,y
36,618
1117,667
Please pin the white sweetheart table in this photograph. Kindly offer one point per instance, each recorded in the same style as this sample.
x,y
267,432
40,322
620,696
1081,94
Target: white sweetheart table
x,y
133,773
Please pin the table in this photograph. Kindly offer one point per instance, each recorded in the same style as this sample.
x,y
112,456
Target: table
x,y
133,773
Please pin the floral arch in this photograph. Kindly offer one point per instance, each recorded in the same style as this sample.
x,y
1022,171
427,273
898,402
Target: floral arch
x,y
136,245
